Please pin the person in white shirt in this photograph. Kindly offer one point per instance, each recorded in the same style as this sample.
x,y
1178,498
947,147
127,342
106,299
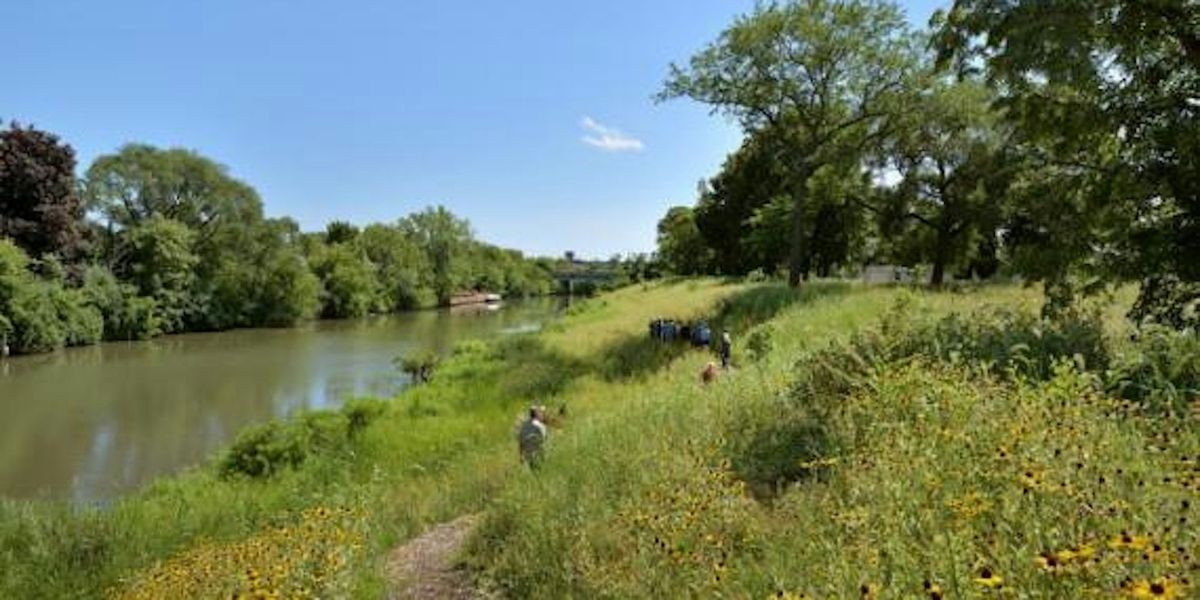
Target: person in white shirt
x,y
531,437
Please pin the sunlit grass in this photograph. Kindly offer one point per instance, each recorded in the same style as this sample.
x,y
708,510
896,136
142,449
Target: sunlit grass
x,y
442,449
652,481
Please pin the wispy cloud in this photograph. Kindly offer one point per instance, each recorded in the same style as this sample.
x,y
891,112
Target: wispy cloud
x,y
608,138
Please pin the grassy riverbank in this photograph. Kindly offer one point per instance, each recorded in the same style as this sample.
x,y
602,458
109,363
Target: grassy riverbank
x,y
436,451
810,468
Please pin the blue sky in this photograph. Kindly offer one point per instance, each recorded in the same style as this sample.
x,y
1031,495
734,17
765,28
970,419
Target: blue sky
x,y
531,118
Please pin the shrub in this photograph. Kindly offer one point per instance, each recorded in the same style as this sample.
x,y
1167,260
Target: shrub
x,y
324,430
41,314
760,341
265,450
771,447
470,348
361,412
1002,340
419,365
1161,371
126,315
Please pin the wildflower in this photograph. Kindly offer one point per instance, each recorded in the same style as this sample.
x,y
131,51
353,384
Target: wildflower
x,y
933,590
1132,542
989,579
1160,588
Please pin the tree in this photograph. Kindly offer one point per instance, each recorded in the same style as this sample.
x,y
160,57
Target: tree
x,y
445,239
399,263
1102,95
290,292
953,181
141,181
39,207
340,232
40,314
825,76
749,179
126,315
160,260
680,245
348,279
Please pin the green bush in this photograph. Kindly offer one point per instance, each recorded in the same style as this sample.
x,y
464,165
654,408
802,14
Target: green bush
x,y
361,412
1003,340
126,315
1161,370
265,450
40,314
760,341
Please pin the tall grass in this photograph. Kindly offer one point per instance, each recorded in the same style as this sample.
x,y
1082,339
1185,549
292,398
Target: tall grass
x,y
923,473
438,450
883,474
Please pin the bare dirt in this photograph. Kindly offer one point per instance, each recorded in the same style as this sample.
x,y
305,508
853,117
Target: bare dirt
x,y
425,567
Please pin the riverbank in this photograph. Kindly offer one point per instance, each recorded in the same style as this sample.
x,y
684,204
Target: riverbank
x,y
88,424
436,451
656,485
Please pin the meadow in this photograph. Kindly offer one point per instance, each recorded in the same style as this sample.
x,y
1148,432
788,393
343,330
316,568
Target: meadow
x,y
882,443
869,442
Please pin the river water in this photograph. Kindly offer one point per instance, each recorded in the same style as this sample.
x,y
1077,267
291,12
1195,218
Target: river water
x,y
86,424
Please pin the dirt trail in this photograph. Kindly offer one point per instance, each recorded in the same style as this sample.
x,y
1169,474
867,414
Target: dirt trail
x,y
424,567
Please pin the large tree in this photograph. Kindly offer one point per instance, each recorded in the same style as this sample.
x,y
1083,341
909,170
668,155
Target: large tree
x,y
749,179
948,153
446,240
141,181
1105,96
39,207
828,76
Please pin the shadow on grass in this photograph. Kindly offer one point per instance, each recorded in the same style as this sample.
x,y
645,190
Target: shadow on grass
x,y
639,356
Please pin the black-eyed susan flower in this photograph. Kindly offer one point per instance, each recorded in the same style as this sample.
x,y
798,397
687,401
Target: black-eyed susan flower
x,y
989,579
1129,542
1159,588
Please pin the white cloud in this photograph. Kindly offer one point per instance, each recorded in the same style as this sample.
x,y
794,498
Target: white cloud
x,y
607,138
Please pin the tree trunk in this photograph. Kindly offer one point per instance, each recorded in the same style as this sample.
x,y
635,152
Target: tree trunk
x,y
939,258
798,258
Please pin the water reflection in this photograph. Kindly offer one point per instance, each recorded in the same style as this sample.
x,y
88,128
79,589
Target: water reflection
x,y
88,423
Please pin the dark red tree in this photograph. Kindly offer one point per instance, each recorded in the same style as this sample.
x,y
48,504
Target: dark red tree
x,y
40,208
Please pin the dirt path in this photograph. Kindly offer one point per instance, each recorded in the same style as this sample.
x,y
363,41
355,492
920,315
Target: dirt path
x,y
424,567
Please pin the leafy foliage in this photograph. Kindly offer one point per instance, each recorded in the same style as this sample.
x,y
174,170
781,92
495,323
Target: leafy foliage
x,y
39,207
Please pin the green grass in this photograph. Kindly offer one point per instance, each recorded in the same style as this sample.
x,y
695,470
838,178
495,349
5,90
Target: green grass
x,y
815,467
440,450
908,478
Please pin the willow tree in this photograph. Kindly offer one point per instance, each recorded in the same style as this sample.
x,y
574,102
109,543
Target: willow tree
x,y
828,76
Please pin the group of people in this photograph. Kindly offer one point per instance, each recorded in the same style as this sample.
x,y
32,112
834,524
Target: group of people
x,y
698,334
670,330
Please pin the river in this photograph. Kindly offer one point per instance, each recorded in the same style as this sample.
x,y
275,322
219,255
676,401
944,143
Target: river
x,y
86,424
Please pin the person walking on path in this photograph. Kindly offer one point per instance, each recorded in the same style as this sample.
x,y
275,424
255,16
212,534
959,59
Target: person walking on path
x,y
726,349
531,437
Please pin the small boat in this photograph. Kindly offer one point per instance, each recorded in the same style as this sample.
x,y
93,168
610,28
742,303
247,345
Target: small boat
x,y
475,298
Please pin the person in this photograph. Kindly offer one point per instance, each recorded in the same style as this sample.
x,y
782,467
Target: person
x,y
703,335
709,374
532,437
726,349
